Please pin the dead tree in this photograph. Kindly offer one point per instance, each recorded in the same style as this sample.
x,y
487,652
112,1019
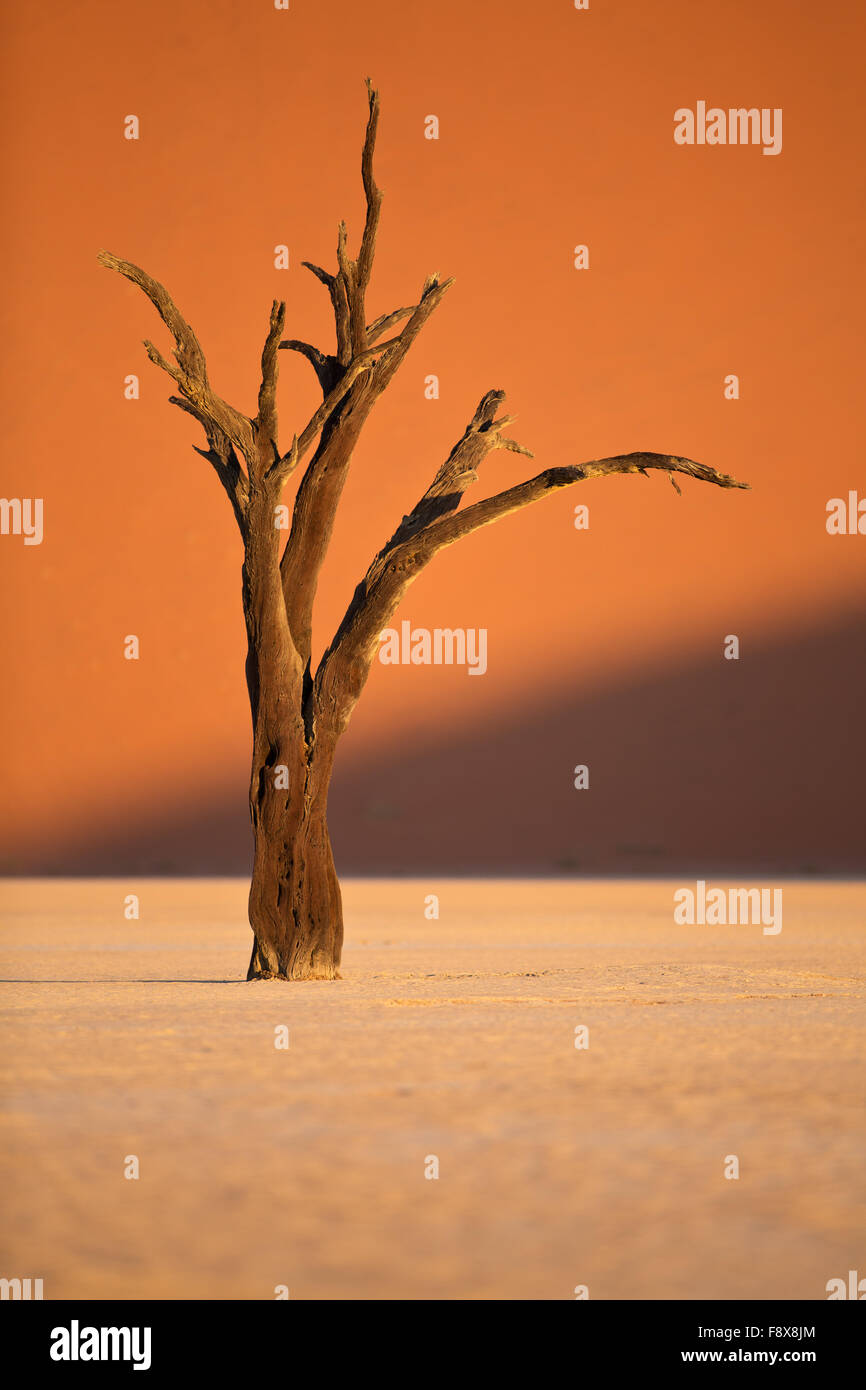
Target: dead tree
x,y
298,715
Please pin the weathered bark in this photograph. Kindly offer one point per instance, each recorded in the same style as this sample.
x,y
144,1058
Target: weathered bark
x,y
294,907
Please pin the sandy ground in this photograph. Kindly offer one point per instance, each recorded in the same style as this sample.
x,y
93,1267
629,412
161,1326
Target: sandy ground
x,y
557,1166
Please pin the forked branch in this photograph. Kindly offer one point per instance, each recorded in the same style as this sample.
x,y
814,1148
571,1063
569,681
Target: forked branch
x,y
227,430
349,393
190,374
436,522
341,419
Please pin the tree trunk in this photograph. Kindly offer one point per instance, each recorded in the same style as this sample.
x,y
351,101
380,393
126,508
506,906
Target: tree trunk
x,y
295,906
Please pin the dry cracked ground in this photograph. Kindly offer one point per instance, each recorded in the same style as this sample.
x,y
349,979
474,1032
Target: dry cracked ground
x,y
558,1166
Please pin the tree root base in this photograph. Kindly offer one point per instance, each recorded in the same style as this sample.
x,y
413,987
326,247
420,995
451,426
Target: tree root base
x,y
295,979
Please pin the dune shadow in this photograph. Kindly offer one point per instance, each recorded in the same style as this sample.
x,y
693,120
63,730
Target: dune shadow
x,y
712,765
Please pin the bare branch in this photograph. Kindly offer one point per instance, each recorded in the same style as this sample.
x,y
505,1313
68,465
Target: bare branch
x,y
492,508
372,193
340,304
431,297
322,485
459,471
265,423
343,413
347,266
191,372
435,523
348,287
220,453
668,463
324,275
344,385
300,446
187,347
379,325
327,368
